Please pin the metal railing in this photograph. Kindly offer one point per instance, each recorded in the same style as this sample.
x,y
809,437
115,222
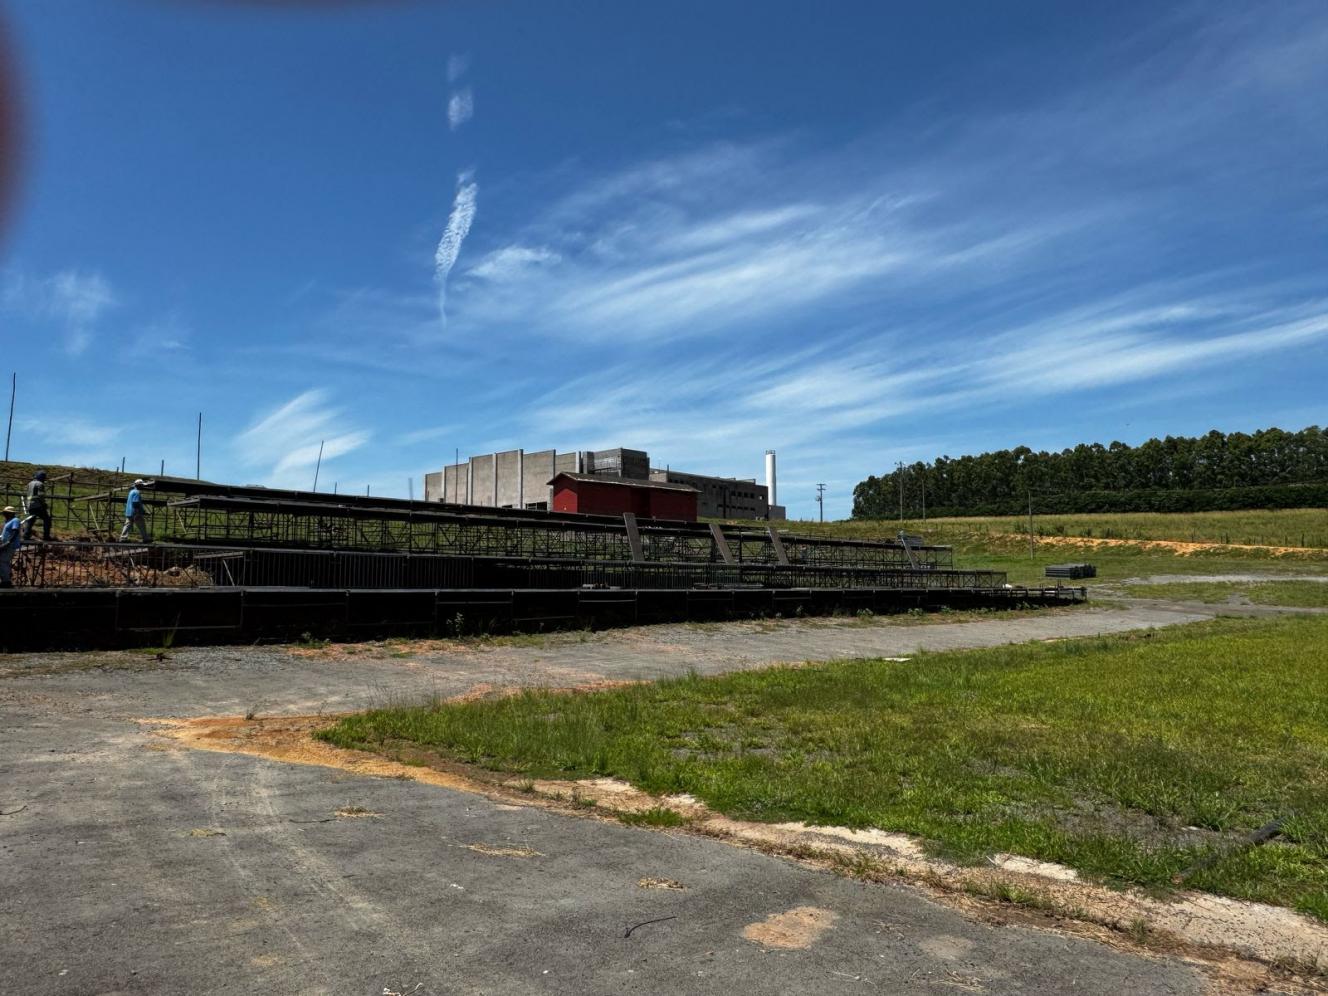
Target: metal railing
x,y
190,512
166,565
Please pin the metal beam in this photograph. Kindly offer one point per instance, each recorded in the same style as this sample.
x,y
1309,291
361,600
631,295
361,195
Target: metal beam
x,y
721,544
634,538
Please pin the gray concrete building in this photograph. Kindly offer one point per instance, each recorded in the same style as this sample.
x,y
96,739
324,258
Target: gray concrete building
x,y
520,479
721,497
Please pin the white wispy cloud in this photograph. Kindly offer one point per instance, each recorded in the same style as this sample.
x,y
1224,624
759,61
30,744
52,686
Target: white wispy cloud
x,y
828,404
457,64
458,227
68,432
511,261
160,338
285,441
427,435
724,239
460,107
74,299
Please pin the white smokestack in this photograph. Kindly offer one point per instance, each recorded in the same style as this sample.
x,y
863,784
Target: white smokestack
x,y
773,497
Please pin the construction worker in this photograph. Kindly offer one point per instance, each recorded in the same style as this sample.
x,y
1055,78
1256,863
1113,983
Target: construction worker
x,y
134,513
35,500
11,538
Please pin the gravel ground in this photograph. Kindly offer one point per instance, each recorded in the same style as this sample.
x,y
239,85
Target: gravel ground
x,y
130,868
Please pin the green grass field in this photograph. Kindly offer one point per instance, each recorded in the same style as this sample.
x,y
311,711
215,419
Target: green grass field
x,y
1297,594
1002,543
1129,758
1296,527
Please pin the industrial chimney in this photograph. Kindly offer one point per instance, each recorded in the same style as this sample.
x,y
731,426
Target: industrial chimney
x,y
772,498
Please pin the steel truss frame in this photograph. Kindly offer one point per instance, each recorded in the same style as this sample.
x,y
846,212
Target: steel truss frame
x,y
161,565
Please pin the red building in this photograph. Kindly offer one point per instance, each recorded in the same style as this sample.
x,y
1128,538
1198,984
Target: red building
x,y
615,495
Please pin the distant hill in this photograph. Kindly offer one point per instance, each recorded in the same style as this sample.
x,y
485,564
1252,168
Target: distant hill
x,y
1270,468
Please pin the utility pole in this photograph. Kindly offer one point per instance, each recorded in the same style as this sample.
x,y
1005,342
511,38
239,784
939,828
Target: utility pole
x,y
198,451
162,472
1030,524
924,498
13,392
899,473
319,465
410,484
820,499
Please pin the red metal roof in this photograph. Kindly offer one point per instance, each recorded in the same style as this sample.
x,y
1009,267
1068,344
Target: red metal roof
x,y
628,482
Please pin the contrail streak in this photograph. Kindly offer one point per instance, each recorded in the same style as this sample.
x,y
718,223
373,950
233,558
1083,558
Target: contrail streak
x,y
458,227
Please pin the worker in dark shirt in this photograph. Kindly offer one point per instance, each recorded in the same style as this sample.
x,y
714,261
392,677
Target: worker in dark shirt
x,y
37,506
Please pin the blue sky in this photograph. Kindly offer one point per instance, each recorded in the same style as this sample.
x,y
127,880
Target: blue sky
x,y
856,232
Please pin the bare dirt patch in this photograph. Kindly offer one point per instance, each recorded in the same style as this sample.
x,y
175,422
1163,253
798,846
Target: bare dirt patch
x,y
796,929
661,883
1177,547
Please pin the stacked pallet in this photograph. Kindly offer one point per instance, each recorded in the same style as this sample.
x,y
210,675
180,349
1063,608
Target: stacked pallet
x,y
1071,571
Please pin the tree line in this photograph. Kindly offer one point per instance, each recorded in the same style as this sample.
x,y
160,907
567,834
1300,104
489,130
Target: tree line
x,y
1270,468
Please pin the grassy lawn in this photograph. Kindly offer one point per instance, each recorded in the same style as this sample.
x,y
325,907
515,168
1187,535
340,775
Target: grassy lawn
x,y
1299,594
1294,527
1127,757
999,544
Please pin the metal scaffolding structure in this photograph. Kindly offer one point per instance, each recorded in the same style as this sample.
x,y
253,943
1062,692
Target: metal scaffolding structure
x,y
220,535
321,525
247,564
169,565
187,511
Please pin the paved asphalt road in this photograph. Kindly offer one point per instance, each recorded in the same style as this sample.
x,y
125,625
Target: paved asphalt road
x,y
134,869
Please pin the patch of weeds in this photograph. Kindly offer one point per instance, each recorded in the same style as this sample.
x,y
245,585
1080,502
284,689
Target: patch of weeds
x,y
351,812
658,816
1005,892
308,640
660,883
858,864
1140,930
